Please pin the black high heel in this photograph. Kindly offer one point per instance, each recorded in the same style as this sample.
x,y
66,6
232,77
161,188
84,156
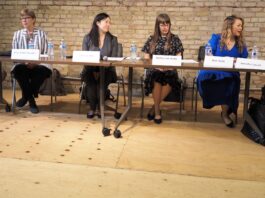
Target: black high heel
x,y
98,115
229,112
229,125
159,120
90,114
150,116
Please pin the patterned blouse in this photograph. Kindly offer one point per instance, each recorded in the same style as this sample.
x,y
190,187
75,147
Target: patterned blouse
x,y
168,76
176,46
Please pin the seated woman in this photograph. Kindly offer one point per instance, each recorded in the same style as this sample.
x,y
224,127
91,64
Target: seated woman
x,y
99,39
30,76
161,81
222,87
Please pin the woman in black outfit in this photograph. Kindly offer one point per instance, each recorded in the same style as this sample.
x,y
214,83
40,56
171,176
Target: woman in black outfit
x,y
99,39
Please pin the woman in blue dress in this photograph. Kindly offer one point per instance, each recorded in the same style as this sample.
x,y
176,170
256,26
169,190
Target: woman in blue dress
x,y
222,87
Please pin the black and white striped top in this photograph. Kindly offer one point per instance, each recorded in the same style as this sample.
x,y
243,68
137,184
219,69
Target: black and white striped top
x,y
21,39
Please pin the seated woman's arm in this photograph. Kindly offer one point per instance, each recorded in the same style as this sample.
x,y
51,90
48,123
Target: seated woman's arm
x,y
114,51
146,56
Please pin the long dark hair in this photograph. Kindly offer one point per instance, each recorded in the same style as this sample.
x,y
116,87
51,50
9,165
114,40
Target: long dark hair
x,y
161,19
227,32
94,33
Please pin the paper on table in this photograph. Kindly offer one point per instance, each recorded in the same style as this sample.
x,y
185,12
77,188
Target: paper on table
x,y
188,61
218,62
137,58
115,58
44,56
244,63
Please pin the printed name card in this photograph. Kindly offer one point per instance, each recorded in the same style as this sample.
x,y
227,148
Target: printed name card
x,y
244,63
86,56
164,60
25,54
218,62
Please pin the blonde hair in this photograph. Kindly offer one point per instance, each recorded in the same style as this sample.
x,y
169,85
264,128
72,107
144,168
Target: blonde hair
x,y
227,32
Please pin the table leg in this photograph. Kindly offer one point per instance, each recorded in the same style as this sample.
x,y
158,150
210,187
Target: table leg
x,y
105,131
246,94
117,132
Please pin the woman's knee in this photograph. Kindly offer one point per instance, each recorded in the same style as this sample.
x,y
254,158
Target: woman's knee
x,y
19,70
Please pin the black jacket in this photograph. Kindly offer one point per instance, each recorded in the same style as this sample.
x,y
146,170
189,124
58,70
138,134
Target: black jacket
x,y
109,49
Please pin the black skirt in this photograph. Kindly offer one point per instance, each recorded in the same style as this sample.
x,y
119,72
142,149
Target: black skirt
x,y
169,77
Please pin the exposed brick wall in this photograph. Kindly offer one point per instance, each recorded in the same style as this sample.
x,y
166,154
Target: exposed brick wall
x,y
194,22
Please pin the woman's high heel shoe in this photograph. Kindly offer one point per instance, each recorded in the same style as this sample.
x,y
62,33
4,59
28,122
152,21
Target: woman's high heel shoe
x,y
230,124
98,115
150,116
159,120
90,114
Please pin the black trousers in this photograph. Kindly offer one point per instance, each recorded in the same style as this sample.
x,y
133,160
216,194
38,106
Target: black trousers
x,y
93,95
30,79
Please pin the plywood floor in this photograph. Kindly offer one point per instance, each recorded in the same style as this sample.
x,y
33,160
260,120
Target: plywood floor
x,y
63,154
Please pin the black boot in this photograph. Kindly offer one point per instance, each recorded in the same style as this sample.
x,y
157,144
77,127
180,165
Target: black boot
x,y
21,102
33,106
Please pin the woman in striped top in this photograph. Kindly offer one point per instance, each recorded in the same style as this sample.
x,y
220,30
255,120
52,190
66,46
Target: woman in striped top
x,y
30,76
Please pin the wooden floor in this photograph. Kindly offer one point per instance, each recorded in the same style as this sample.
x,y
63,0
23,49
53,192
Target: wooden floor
x,y
63,154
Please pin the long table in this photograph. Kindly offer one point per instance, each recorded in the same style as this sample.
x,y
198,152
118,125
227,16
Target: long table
x,y
185,66
131,64
101,64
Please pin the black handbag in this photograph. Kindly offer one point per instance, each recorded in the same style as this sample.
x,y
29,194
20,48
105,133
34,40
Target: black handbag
x,y
254,126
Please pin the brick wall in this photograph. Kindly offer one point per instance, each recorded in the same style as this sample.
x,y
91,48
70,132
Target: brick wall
x,y
194,22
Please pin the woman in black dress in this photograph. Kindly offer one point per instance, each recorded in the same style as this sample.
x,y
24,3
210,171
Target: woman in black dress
x,y
161,81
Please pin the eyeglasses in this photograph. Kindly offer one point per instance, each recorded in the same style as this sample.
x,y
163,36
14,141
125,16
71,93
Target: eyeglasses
x,y
25,18
164,25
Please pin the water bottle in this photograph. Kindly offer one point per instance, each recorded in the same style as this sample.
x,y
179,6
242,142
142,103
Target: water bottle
x,y
62,49
133,50
254,53
31,44
50,49
208,50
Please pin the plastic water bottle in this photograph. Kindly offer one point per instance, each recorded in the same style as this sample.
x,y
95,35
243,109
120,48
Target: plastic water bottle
x,y
62,49
255,52
31,44
133,50
50,49
208,50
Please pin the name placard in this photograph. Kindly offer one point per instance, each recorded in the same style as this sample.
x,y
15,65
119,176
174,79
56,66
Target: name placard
x,y
25,54
218,62
244,63
86,56
165,60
